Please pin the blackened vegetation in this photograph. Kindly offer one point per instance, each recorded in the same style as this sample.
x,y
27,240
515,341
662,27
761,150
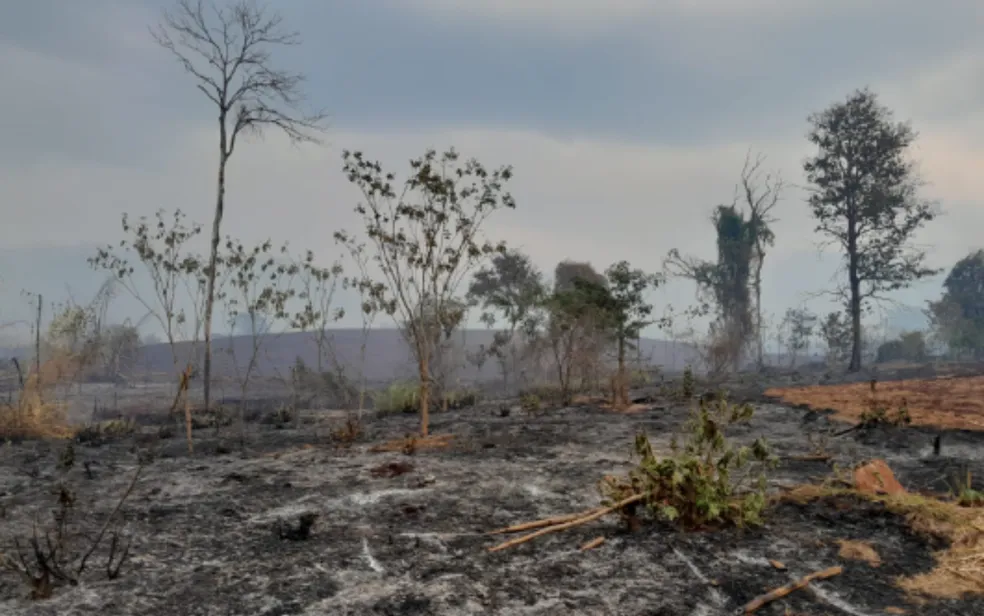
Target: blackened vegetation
x,y
60,553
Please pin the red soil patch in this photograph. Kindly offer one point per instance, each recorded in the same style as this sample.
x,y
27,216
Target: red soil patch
x,y
955,403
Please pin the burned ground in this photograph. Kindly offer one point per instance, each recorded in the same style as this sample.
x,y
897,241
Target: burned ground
x,y
397,534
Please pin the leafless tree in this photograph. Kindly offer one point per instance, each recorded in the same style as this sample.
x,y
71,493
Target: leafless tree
x,y
227,50
760,191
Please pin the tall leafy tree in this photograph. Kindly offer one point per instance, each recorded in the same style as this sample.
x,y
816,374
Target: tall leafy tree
x,y
864,199
510,288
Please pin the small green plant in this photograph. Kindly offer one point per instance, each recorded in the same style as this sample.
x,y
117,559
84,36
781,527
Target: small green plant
x,y
105,431
879,414
704,482
67,458
530,403
547,395
688,385
964,493
398,397
462,399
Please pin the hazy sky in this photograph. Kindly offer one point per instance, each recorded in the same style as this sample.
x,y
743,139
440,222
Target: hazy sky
x,y
627,121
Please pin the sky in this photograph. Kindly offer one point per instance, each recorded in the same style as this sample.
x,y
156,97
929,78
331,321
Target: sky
x,y
626,123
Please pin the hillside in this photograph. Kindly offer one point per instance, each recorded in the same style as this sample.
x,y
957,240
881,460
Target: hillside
x,y
388,356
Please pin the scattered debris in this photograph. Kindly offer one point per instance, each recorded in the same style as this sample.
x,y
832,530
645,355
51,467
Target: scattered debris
x,y
391,469
302,532
876,477
779,593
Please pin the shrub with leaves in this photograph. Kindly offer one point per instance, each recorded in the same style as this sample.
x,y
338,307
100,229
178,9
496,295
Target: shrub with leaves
x,y
399,397
704,482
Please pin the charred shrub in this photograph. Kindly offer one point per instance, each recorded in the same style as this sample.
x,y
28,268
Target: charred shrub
x,y
60,552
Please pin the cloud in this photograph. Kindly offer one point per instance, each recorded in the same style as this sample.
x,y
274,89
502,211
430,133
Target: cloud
x,y
625,124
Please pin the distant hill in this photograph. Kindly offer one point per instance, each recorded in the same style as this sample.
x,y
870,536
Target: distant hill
x,y
388,356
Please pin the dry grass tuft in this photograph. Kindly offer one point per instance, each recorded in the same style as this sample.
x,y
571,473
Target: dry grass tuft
x,y
959,568
32,416
858,550
945,402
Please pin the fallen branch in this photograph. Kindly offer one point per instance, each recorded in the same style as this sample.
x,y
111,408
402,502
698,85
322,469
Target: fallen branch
x,y
560,519
814,457
597,541
782,591
570,524
413,443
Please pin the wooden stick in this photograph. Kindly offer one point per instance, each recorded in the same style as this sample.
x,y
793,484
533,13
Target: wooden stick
x,y
559,527
782,591
593,543
557,519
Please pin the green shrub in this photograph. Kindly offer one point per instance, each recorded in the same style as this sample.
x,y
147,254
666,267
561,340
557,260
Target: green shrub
x,y
530,403
398,397
106,431
462,399
702,483
549,395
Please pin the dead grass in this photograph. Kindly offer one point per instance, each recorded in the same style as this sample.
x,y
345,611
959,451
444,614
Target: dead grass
x,y
955,403
959,568
33,416
858,550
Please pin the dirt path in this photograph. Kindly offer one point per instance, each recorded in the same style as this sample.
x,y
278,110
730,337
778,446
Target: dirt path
x,y
205,539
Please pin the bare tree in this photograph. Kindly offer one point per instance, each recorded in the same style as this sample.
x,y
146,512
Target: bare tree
x,y
427,238
227,50
761,192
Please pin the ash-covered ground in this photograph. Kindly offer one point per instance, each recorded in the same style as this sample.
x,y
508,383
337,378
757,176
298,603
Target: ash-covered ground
x,y
207,531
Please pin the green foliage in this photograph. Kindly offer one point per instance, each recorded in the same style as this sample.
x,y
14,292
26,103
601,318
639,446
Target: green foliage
x,y
688,384
958,317
427,237
463,398
544,395
909,346
97,433
398,397
530,403
964,493
878,414
703,482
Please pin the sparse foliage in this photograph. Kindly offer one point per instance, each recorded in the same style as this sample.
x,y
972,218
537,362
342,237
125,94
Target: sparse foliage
x,y
801,324
628,313
427,238
259,288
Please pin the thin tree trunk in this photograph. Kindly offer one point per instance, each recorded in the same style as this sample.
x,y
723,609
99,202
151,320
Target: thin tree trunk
x,y
760,359
213,258
623,390
855,282
424,392
37,349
